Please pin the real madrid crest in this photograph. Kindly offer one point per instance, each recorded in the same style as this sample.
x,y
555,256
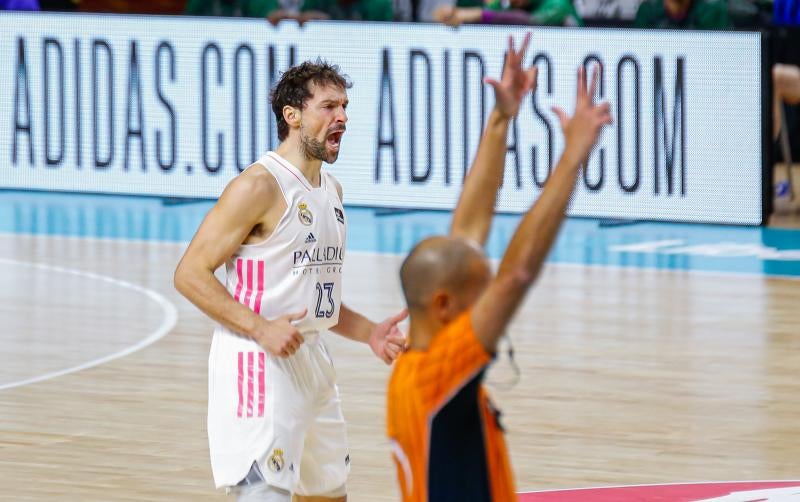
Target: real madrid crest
x,y
303,213
275,462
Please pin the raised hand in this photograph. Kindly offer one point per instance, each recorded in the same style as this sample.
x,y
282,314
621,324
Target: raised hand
x,y
279,15
456,16
313,15
280,337
583,128
386,340
515,82
445,14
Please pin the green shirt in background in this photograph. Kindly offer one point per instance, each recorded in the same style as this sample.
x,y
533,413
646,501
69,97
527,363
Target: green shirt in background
x,y
356,10
364,10
702,15
230,8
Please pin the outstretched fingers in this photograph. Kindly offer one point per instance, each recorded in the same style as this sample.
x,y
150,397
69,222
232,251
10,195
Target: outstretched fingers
x,y
604,113
491,81
530,79
582,92
595,78
514,58
562,116
399,317
525,42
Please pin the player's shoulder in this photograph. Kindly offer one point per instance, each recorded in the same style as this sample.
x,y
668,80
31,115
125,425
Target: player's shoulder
x,y
254,184
336,184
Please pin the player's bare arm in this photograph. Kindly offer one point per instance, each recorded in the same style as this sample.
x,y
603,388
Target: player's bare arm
x,y
247,211
472,217
384,338
535,235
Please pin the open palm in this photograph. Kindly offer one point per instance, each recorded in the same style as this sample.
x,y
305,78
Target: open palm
x,y
515,82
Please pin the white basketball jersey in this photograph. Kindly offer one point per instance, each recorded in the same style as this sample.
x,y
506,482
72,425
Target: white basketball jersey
x,y
260,406
300,265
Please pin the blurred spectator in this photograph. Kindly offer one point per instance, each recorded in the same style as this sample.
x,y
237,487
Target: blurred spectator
x,y
60,5
785,90
298,10
611,11
750,14
687,14
786,82
787,12
132,6
229,8
721,14
540,12
417,10
356,10
19,4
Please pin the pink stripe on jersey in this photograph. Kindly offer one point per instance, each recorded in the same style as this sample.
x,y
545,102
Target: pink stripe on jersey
x,y
239,276
241,378
261,384
250,384
249,286
260,290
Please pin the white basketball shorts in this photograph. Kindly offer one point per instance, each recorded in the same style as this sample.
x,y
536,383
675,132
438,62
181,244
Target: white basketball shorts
x,y
284,414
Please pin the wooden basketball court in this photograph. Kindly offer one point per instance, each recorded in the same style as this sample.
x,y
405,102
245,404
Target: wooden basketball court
x,y
629,376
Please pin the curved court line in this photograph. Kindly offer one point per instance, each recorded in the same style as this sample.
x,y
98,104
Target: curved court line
x,y
549,262
169,321
686,483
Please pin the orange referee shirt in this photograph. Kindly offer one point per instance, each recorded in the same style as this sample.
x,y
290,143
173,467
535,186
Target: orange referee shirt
x,y
447,443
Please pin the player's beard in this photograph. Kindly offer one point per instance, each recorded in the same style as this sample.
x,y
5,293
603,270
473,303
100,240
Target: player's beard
x,y
316,150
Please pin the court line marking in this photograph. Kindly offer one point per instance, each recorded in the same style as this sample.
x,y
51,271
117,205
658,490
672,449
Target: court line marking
x,y
95,238
713,273
733,274
169,321
171,317
565,264
687,483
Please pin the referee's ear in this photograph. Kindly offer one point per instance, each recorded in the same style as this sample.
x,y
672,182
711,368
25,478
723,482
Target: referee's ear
x,y
443,306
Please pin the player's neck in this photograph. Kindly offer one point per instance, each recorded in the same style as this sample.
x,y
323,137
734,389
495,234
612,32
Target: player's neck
x,y
293,152
421,331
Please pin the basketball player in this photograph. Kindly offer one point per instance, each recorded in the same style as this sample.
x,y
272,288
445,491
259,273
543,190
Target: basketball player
x,y
275,423
446,439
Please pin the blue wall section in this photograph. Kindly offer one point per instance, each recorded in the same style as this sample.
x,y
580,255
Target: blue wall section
x,y
582,241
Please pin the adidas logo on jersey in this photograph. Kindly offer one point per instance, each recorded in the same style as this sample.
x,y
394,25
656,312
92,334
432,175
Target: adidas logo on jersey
x,y
310,239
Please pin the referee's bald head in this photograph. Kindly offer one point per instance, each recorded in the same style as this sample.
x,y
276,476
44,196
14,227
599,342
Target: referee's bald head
x,y
449,266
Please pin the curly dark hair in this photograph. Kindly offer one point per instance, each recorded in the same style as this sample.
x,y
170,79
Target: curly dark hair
x,y
293,89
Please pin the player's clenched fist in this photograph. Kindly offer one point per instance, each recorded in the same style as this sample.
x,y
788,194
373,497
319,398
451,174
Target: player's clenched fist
x,y
280,337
